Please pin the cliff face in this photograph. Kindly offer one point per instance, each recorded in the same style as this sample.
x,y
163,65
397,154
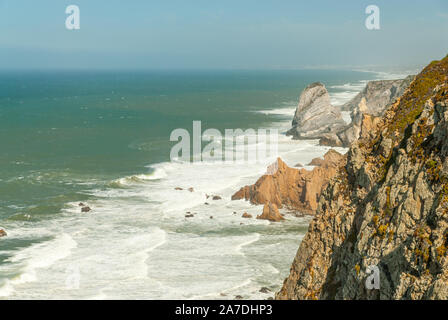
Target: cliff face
x,y
388,207
378,94
292,188
369,105
315,115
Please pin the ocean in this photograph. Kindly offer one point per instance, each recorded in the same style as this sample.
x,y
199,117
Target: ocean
x,y
103,138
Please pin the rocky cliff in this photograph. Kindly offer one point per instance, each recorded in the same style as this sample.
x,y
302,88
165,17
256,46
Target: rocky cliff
x,y
316,118
387,207
315,115
366,109
296,189
378,94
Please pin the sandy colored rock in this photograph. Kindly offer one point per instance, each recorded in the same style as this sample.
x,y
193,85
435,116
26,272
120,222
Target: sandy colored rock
x,y
3,233
331,159
246,215
292,188
271,213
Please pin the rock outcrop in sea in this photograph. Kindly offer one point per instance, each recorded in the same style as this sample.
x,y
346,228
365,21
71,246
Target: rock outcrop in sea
x,y
293,188
271,213
316,118
386,208
315,115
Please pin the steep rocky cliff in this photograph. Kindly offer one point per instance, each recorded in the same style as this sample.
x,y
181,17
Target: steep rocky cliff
x,y
378,94
315,115
297,189
388,207
366,108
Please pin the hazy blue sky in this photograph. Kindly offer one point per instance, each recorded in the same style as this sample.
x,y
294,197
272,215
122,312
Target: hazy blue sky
x,y
220,34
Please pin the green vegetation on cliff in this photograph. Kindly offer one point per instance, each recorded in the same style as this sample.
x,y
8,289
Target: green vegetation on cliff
x,y
388,207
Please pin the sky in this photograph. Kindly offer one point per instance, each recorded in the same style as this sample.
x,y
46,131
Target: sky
x,y
221,34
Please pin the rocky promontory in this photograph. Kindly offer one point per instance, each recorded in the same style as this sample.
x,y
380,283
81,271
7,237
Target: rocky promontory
x,y
315,115
366,109
293,188
378,94
386,209
316,118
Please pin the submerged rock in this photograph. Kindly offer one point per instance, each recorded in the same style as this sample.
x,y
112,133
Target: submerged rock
x,y
246,215
86,209
216,198
265,290
3,233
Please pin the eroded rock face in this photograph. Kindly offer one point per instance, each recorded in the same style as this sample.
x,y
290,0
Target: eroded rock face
x,y
378,95
387,208
366,109
315,115
271,213
331,159
293,188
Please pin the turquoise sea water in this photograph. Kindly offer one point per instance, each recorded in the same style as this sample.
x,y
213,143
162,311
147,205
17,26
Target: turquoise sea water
x,y
61,129
102,138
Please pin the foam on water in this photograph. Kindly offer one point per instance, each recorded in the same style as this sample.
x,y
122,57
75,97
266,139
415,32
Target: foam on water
x,y
137,242
38,256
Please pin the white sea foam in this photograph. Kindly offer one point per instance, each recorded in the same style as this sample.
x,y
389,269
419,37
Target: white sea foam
x,y
38,256
137,242
140,178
